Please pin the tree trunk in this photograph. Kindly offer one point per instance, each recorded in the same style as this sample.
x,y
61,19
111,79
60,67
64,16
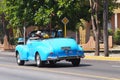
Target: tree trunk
x,y
3,23
105,29
95,25
78,36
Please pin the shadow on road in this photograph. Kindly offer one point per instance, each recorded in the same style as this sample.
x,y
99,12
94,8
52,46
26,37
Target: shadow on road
x,y
59,65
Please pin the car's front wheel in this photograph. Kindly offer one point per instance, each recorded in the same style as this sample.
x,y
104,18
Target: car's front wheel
x,y
19,62
76,62
38,61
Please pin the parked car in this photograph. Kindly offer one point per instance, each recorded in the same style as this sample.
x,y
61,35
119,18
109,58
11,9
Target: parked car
x,y
44,50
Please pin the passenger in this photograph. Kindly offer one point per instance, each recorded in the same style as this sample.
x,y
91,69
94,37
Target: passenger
x,y
38,34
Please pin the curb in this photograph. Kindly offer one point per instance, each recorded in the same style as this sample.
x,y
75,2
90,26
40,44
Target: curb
x,y
102,58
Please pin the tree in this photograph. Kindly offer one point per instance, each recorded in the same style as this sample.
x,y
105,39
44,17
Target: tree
x,y
72,9
2,16
101,8
45,12
105,29
21,13
95,23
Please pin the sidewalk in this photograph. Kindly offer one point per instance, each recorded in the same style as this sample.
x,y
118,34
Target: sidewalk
x,y
114,55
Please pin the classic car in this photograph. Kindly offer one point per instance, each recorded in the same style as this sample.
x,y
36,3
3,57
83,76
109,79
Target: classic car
x,y
48,50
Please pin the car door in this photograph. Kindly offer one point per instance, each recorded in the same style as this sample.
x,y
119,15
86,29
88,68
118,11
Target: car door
x,y
30,44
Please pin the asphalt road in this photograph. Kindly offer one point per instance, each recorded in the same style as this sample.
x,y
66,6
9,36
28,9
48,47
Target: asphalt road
x,y
87,70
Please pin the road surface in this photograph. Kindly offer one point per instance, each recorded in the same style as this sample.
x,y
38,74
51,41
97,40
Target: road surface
x,y
87,70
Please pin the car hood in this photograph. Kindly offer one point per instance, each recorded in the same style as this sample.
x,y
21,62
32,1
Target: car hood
x,y
58,44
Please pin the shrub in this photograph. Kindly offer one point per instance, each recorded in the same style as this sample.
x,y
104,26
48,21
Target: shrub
x,y
116,37
110,32
13,41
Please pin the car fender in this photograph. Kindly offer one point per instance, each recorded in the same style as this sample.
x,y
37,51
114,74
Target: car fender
x,y
44,52
81,50
23,51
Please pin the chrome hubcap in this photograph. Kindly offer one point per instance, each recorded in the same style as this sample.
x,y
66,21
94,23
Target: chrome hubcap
x,y
38,60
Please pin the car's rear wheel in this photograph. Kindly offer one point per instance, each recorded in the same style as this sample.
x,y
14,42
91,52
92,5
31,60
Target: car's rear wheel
x,y
76,62
19,62
38,61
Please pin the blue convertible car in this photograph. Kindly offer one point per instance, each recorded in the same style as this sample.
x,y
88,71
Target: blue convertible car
x,y
48,50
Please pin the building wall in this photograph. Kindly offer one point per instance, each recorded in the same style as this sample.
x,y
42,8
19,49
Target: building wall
x,y
113,21
118,20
